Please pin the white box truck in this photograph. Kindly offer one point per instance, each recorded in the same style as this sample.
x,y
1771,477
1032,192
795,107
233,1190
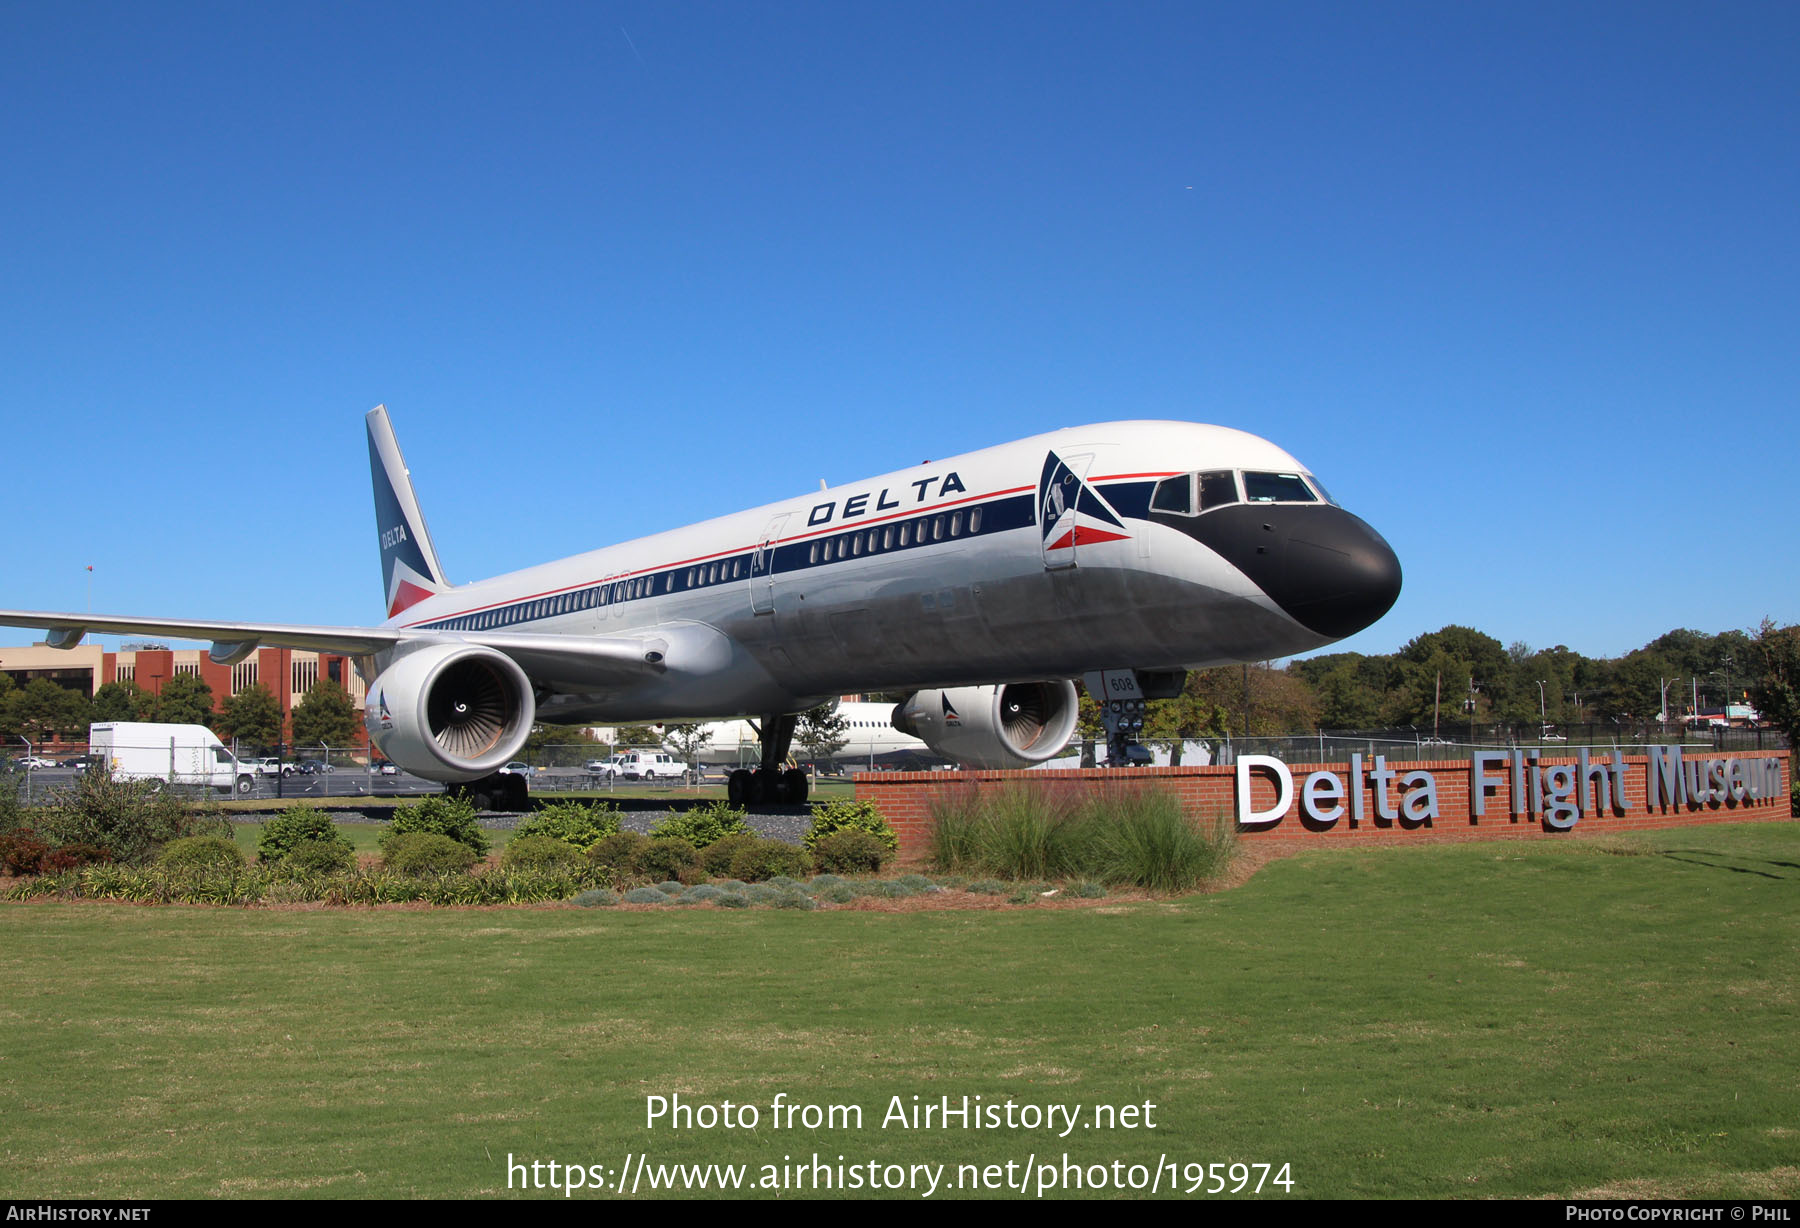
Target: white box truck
x,y
178,754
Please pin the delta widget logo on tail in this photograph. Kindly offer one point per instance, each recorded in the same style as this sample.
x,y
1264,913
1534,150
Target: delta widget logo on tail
x,y
1072,512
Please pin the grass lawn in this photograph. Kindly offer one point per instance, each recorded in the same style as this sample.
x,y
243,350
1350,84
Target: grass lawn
x,y
1554,1018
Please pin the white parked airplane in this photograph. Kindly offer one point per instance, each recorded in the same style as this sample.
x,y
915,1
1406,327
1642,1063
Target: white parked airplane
x,y
979,583
869,738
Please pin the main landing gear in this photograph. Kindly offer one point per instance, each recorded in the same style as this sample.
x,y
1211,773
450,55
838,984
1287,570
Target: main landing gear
x,y
770,783
501,791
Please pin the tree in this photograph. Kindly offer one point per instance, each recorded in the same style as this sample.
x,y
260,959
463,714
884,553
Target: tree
x,y
252,716
184,699
558,746
121,701
40,710
325,717
1187,716
1777,689
640,736
822,731
687,741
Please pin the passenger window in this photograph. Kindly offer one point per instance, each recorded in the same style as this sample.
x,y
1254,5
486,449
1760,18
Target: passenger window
x,y
955,524
1174,495
887,538
975,521
1277,488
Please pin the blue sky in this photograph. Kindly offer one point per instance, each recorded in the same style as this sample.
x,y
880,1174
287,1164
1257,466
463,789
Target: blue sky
x,y
1519,281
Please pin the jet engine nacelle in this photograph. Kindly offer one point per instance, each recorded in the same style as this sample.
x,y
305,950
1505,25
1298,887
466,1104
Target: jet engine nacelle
x,y
1011,726
450,712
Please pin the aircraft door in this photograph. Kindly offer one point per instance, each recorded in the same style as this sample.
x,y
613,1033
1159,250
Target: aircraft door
x,y
762,568
1059,495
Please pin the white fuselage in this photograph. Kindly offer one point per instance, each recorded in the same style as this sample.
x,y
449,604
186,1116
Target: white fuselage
x,y
945,574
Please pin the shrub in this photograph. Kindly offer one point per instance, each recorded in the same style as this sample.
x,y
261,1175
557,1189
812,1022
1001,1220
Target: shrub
x,y
645,895
620,852
201,853
839,816
671,857
295,826
441,815
13,816
716,857
21,852
597,897
319,857
837,893
851,851
133,818
540,853
732,899
578,823
703,825
765,859
417,853
74,856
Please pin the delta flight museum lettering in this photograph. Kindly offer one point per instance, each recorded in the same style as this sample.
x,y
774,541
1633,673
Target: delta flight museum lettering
x,y
1559,794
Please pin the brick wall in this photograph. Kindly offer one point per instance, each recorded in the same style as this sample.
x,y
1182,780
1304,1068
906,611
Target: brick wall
x,y
905,798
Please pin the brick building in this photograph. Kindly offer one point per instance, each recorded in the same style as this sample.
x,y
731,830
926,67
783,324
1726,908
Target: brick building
x,y
288,673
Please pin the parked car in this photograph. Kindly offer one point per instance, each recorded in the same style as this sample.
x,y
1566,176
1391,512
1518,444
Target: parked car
x,y
267,766
308,767
601,767
34,763
385,767
519,767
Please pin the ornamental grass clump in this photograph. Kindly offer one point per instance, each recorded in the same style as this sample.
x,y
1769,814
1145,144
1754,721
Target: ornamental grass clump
x,y
1125,835
1144,840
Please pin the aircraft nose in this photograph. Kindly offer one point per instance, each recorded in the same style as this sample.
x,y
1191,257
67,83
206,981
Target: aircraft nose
x,y
1340,575
1325,567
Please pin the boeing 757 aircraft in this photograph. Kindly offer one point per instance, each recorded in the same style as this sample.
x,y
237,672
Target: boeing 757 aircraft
x,y
1122,553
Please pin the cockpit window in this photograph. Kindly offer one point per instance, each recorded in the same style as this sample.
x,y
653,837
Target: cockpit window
x,y
1217,488
1277,488
1174,495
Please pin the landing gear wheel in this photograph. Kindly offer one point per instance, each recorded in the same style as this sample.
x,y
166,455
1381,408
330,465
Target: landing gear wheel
x,y
794,784
516,794
737,787
758,790
480,798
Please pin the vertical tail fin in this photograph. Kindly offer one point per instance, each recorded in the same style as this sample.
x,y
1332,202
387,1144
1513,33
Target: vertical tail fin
x,y
409,566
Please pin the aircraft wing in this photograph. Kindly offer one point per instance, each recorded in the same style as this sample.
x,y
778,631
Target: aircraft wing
x,y
608,660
